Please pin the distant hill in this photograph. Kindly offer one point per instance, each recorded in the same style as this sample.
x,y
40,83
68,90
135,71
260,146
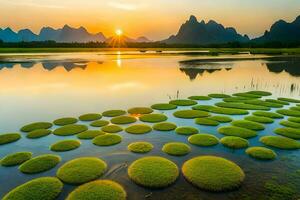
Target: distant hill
x,y
127,39
201,33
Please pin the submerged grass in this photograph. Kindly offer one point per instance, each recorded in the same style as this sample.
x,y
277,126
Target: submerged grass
x,y
203,139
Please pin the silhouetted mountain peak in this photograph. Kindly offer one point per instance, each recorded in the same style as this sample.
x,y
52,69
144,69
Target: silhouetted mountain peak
x,y
193,19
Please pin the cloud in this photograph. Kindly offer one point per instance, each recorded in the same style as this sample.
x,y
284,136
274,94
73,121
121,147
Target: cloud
x,y
33,3
122,6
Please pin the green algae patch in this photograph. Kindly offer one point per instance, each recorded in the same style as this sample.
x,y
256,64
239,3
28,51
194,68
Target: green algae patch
x,y
113,113
123,120
153,118
15,159
65,145
138,129
268,114
260,93
164,126
9,138
163,106
200,98
290,124
219,96
203,140
261,153
36,125
112,128
277,101
38,133
190,114
99,123
65,121
259,119
248,125
286,112
153,172
290,100
40,164
221,119
89,134
46,188
186,130
213,173
237,131
100,189
140,147
90,117
219,110
183,102
71,129
241,106
234,142
280,142
107,140
264,103
140,110
81,170
288,132
294,119
176,148
206,122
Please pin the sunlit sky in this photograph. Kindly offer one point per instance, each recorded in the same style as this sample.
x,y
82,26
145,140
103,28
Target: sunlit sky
x,y
156,19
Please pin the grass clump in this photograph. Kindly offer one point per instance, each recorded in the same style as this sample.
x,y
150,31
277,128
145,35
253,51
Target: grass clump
x,y
40,164
112,128
65,121
260,93
267,114
90,117
113,113
241,106
203,140
9,138
190,114
292,113
176,148
153,172
107,139
140,147
218,110
186,130
213,173
237,131
221,119
290,124
38,133
65,145
290,100
99,123
234,142
100,189
138,129
264,103
294,119
277,101
46,188
81,170
71,129
206,122
163,106
288,132
164,126
183,102
36,125
247,95
280,142
123,120
248,125
198,98
140,110
219,96
15,159
153,118
259,119
237,99
261,153
89,134
295,108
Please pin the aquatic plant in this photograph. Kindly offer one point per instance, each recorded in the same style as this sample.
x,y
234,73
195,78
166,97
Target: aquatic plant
x,y
203,139
164,126
241,106
263,103
290,124
113,113
107,139
260,93
15,158
290,100
294,119
186,130
293,113
234,142
219,110
259,119
237,99
71,129
176,148
190,114
247,95
36,125
153,118
65,121
288,132
89,134
138,129
65,145
219,96
277,101
123,120
112,128
206,122
237,131
140,110
140,147
261,153
183,102
280,142
99,123
163,106
221,118
9,138
267,114
198,98
90,117
248,125
38,133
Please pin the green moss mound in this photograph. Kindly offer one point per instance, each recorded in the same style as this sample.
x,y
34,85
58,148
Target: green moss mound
x,y
65,121
203,140
221,119
90,117
9,138
186,130
71,129
267,114
112,128
183,102
234,142
206,122
261,153
237,99
153,172
277,101
107,140
294,119
198,98
99,123
260,93
38,133
176,148
15,159
218,96
100,189
89,134
65,145
280,142
241,106
288,132
46,188
290,100
140,147
138,129
163,106
248,125
164,126
290,124
123,120
264,120
218,110
140,110
292,113
297,108
81,170
190,114
247,95
213,173
40,164
264,103
153,118
237,131
35,126
113,113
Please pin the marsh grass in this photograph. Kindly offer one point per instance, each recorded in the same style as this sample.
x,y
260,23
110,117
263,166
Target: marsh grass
x,y
219,96
221,118
260,93
264,103
286,112
290,100
247,95
277,101
203,139
290,124
294,119
15,159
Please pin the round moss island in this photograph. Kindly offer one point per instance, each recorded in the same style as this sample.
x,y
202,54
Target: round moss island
x,y
113,113
9,138
286,112
213,173
260,119
153,172
99,123
261,153
65,145
280,142
140,147
290,124
183,102
81,170
163,106
71,129
248,125
123,120
288,132
244,106
65,121
38,133
138,129
112,128
90,117
153,118
219,96
46,188
36,125
186,130
176,148
190,114
40,164
107,139
206,122
290,100
15,159
203,140
90,134
200,98
219,110
164,126
260,93
140,110
267,114
237,131
234,142
100,189
221,118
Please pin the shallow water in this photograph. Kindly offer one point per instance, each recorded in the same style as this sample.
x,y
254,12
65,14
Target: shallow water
x,y
46,87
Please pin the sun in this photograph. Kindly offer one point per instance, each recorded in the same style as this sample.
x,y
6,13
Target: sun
x,y
119,32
